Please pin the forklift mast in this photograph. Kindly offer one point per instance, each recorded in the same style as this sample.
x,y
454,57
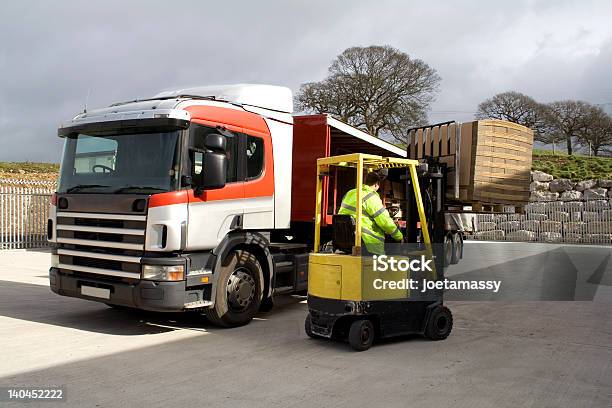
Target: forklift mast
x,y
432,181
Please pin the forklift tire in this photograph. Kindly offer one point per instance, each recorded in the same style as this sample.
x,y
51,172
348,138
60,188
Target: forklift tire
x,y
448,250
457,248
361,335
308,327
238,292
440,323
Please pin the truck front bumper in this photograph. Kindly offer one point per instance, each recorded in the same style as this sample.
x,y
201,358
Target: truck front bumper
x,y
142,294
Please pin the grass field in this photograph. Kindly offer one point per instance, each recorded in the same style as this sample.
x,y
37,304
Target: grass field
x,y
29,172
575,167
28,167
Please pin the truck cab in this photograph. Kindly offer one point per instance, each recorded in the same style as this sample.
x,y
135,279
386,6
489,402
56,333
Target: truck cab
x,y
148,188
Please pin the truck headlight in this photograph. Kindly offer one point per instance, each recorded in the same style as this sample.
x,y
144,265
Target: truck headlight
x,y
54,260
163,272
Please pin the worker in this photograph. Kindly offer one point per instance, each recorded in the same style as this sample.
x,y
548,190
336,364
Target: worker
x,y
375,219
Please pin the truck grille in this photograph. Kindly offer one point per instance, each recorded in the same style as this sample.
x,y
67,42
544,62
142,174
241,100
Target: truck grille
x,y
101,244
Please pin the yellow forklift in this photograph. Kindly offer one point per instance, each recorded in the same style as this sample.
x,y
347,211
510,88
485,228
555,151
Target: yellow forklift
x,y
344,302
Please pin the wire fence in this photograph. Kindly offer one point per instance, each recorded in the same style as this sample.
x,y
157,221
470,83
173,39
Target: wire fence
x,y
23,216
587,222
50,184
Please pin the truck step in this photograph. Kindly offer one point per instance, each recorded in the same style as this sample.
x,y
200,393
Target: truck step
x,y
283,289
198,304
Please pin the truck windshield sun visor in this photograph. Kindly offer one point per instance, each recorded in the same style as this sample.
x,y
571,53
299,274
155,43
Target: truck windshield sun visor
x,y
126,126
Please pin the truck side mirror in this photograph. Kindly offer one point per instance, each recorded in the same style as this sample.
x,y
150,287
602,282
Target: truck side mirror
x,y
210,165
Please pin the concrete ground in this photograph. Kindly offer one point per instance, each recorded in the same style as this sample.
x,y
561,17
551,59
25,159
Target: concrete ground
x,y
512,353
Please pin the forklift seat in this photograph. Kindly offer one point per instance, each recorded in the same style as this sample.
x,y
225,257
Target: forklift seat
x,y
343,233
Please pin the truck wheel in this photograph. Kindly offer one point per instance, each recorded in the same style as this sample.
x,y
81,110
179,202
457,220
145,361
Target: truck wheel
x,y
239,290
361,335
308,327
448,250
440,323
457,248
266,304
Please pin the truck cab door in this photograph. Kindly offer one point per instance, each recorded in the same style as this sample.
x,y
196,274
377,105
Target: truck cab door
x,y
258,164
214,213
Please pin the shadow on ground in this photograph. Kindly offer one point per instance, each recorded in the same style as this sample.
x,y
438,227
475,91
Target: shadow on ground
x,y
37,303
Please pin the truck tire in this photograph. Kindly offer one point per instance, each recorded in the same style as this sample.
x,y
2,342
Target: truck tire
x,y
239,290
448,250
440,323
361,335
457,248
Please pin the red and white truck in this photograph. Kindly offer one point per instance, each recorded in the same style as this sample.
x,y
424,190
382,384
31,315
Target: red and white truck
x,y
195,199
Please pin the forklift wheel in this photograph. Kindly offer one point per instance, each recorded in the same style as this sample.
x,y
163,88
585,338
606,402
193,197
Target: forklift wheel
x,y
361,335
308,327
440,323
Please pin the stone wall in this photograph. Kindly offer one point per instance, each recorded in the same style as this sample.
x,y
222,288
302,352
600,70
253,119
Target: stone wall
x,y
553,221
544,188
560,211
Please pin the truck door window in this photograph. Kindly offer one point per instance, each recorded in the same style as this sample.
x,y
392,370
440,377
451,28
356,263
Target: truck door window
x,y
255,157
198,135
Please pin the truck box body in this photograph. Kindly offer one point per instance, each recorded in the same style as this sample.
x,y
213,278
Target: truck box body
x,y
493,158
316,136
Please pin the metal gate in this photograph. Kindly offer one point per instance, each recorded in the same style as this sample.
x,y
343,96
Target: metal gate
x,y
23,216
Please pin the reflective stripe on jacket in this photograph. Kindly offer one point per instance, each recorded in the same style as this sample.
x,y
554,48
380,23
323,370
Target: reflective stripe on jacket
x,y
375,219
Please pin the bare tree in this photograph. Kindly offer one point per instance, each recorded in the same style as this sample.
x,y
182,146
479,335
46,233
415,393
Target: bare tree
x,y
597,136
571,119
522,109
378,88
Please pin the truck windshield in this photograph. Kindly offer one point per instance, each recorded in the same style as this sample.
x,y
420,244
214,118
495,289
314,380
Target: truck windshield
x,y
125,163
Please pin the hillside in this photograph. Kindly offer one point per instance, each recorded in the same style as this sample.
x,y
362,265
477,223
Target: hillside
x,y
575,167
29,171
559,165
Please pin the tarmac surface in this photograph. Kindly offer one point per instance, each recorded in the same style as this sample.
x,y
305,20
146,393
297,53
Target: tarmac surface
x,y
545,342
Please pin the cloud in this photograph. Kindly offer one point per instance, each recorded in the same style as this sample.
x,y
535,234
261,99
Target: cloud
x,y
53,54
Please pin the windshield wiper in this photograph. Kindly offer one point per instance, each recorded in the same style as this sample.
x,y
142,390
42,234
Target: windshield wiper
x,y
81,186
122,189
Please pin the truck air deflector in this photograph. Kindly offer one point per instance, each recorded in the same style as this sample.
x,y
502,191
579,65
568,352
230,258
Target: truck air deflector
x,y
117,123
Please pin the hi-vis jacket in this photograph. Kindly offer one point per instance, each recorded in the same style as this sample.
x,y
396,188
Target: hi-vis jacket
x,y
375,219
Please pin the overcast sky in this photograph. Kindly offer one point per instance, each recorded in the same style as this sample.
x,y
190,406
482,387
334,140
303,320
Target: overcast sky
x,y
53,53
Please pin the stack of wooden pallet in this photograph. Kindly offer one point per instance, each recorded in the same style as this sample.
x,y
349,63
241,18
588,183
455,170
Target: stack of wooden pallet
x,y
490,160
